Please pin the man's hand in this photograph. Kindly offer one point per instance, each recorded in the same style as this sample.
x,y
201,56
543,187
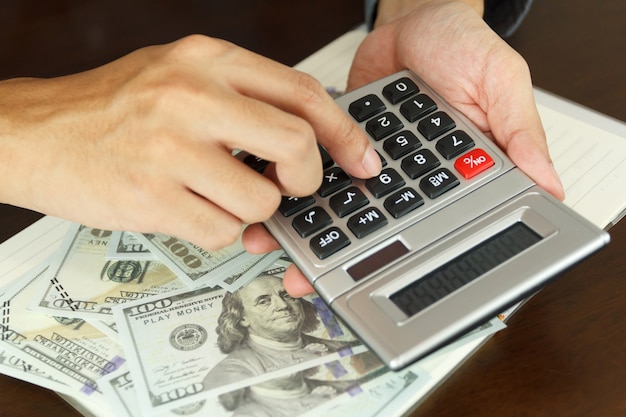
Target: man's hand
x,y
145,143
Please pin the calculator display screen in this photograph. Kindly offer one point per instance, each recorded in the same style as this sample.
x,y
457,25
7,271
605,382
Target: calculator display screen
x,y
464,268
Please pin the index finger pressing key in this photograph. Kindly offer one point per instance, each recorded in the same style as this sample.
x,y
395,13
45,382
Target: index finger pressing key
x,y
302,95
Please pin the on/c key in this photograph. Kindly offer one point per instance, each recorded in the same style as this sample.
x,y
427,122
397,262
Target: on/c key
x,y
473,163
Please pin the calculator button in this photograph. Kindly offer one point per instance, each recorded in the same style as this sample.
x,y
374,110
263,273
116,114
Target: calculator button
x,y
329,242
383,161
334,179
419,163
454,144
327,161
399,90
256,163
435,125
473,163
417,107
366,107
291,205
438,182
401,144
347,201
387,181
403,202
383,125
311,221
366,222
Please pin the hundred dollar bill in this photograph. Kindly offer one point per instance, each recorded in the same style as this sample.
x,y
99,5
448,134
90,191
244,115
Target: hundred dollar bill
x,y
107,327
196,266
124,245
396,395
188,345
82,283
16,367
272,263
288,395
400,391
68,349
374,397
119,391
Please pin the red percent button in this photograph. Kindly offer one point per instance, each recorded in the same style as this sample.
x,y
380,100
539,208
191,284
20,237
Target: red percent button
x,y
473,163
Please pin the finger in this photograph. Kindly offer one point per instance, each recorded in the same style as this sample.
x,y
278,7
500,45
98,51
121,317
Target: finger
x,y
374,58
300,94
521,133
296,283
274,135
524,152
228,183
193,218
257,240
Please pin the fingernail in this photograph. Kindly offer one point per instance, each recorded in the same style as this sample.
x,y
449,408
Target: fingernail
x,y
371,162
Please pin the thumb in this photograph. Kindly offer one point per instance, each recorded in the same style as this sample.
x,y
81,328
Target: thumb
x,y
374,59
522,136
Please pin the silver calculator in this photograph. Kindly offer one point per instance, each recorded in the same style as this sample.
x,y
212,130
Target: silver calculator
x,y
447,236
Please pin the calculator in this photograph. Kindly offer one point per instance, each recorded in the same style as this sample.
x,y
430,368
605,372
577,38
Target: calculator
x,y
448,235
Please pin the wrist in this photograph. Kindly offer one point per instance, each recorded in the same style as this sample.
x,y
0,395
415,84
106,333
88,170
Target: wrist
x,y
389,10
8,134
19,152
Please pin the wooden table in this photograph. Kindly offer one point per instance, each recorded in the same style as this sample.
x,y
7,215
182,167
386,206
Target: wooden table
x,y
564,351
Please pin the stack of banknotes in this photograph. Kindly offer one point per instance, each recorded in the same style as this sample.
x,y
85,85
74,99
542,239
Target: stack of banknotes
x,y
150,325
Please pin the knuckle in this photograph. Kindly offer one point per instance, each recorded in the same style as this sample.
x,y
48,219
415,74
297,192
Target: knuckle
x,y
197,46
309,92
163,144
228,233
264,202
217,235
301,139
348,132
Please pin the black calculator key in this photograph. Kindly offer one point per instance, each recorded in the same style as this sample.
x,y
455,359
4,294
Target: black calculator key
x,y
383,125
454,144
403,202
334,179
417,107
366,107
347,201
401,144
292,205
438,182
327,161
366,222
328,242
399,90
387,181
419,163
436,124
383,161
256,163
311,221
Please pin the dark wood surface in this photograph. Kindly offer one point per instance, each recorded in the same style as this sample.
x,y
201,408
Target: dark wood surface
x,y
564,351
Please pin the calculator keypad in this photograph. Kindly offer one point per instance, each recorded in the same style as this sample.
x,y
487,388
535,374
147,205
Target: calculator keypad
x,y
408,128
